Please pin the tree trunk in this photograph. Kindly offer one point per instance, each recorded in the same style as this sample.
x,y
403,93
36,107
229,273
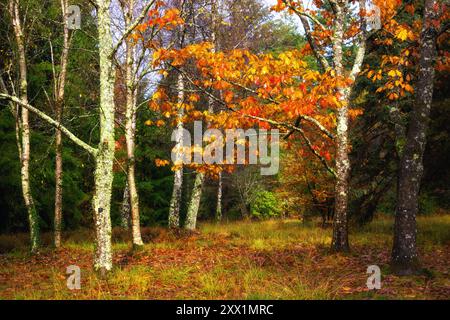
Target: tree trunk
x,y
104,160
340,224
23,126
219,199
404,258
58,143
58,183
174,210
194,204
125,208
130,132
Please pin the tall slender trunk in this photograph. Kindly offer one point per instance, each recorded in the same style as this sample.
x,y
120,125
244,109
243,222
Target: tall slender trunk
x,y
194,203
23,125
219,199
104,159
174,210
130,133
58,183
60,86
340,225
404,258
125,208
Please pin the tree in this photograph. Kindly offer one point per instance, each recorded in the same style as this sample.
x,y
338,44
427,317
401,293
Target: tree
x,y
22,124
226,22
130,126
194,203
60,84
345,27
104,153
175,202
404,258
335,82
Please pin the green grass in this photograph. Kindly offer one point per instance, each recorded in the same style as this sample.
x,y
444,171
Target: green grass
x,y
277,259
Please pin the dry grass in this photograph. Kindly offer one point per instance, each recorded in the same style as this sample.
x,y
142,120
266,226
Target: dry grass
x,y
242,260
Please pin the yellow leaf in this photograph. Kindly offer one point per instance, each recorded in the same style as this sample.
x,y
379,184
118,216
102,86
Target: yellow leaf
x,y
392,73
402,34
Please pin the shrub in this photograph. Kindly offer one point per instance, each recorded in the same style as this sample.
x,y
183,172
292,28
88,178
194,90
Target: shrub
x,y
265,205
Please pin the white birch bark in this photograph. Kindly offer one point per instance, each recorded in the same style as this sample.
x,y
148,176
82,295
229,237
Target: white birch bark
x,y
104,160
194,203
174,210
22,124
340,235
130,133
340,224
125,208
104,154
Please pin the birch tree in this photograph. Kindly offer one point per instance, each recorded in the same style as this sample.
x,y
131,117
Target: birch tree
x,y
175,202
138,46
22,124
59,92
104,153
125,208
130,127
219,198
197,190
334,41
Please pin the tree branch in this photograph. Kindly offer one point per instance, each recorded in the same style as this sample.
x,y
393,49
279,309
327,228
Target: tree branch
x,y
315,48
273,122
360,53
57,125
304,117
314,151
131,27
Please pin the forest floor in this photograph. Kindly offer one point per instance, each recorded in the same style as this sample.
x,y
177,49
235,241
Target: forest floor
x,y
280,259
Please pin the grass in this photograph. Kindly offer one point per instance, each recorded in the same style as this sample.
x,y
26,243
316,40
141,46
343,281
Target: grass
x,y
277,259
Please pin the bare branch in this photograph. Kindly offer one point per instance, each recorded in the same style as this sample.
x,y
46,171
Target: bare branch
x,y
130,28
315,48
93,151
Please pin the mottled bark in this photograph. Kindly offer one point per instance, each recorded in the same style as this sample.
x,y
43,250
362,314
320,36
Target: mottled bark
x,y
130,133
404,258
104,154
194,203
57,222
104,160
22,122
59,103
125,208
399,129
219,199
175,202
340,225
